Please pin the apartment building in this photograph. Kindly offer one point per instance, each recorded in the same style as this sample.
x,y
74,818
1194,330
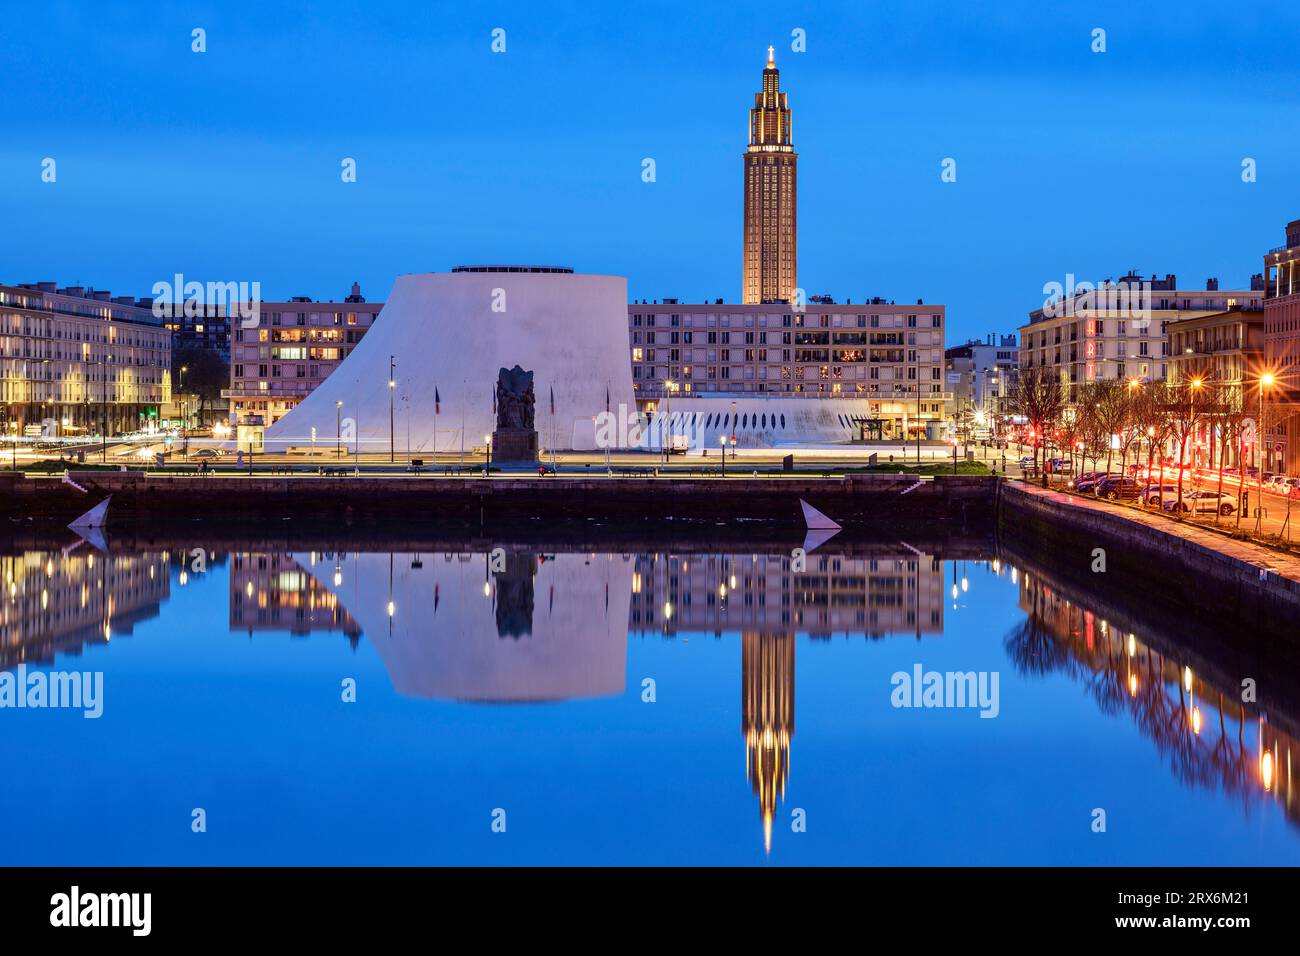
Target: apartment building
x,y
78,360
282,357
1282,353
885,360
980,373
1224,349
1120,329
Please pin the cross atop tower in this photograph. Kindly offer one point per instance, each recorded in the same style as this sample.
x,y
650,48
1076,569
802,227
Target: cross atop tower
x,y
771,56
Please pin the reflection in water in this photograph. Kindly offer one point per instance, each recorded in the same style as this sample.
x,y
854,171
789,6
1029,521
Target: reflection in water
x,y
1200,725
767,706
273,592
525,625
58,604
768,601
547,627
876,596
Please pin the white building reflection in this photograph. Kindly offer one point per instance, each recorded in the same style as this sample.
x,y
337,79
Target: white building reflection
x,y
539,627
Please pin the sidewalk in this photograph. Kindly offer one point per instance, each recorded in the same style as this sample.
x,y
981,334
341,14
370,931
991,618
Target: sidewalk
x,y
1266,559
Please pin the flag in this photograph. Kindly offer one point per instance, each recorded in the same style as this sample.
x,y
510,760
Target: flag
x,y
607,398
552,399
494,404
437,401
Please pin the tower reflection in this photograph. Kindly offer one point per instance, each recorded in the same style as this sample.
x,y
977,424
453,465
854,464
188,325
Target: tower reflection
x,y
768,599
767,722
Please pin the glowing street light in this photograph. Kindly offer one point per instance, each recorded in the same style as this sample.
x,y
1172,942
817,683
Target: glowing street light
x,y
392,386
1266,380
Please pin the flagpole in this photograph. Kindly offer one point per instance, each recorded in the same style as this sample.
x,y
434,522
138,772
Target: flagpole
x,y
462,423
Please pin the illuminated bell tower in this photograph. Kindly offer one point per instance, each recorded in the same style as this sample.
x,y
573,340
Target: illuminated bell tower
x,y
770,186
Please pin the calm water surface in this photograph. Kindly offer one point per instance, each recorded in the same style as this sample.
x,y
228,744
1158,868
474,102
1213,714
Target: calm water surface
x,y
691,707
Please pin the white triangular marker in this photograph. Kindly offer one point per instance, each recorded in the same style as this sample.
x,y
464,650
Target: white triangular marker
x,y
94,518
815,519
816,537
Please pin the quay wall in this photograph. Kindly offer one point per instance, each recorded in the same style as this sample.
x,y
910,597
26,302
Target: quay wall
x,y
1257,588
141,499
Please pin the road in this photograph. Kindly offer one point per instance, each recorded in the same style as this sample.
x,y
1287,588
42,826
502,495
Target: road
x,y
1278,518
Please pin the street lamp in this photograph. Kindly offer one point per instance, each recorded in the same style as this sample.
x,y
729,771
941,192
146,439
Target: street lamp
x,y
338,429
722,440
669,385
392,385
1265,380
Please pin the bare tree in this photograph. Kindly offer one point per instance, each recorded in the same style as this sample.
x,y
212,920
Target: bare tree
x,y
1229,428
1037,396
1128,428
1151,421
1188,407
1112,406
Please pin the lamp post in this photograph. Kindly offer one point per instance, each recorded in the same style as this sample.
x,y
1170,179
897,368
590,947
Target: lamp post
x,y
722,439
733,431
392,385
338,428
918,410
103,410
487,454
1265,379
185,412
669,385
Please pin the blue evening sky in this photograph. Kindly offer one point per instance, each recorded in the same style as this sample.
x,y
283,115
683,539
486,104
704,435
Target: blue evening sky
x,y
225,165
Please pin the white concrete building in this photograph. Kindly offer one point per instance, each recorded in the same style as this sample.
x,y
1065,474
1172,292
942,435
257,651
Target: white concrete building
x,y
441,340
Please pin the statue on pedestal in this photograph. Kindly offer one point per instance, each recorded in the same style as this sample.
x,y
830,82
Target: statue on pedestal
x,y
515,437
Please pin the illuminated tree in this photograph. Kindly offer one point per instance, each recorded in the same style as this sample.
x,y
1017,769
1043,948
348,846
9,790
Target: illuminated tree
x,y
1038,398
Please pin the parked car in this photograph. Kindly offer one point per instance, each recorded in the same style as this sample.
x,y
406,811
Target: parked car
x,y
1115,487
1154,494
207,453
1089,480
1203,502
1281,484
1059,466
1026,461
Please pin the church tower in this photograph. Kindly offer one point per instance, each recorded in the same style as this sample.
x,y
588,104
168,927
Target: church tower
x,y
770,185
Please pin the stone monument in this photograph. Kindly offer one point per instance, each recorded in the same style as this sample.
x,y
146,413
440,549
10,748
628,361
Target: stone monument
x,y
515,436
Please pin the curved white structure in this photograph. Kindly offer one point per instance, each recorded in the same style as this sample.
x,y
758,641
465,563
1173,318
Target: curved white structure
x,y
449,334
768,421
